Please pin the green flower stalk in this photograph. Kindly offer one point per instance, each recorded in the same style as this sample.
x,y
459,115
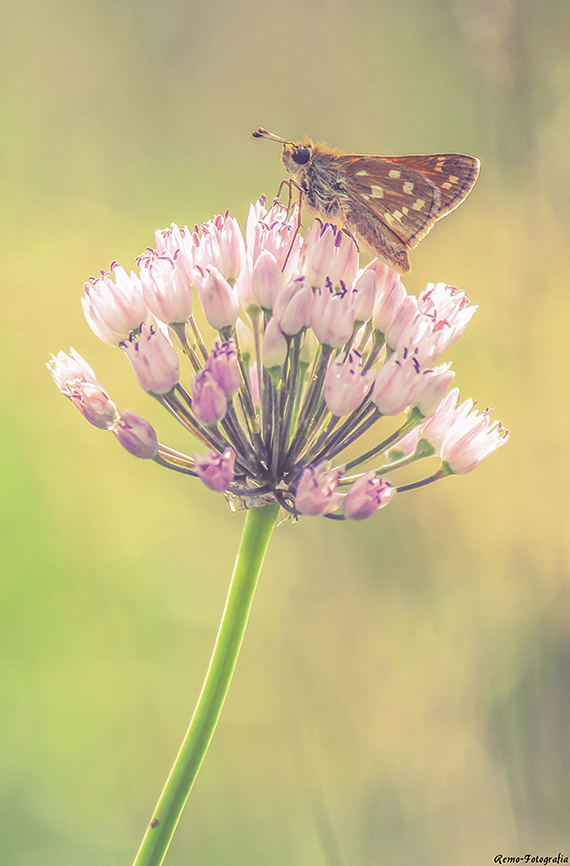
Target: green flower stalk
x,y
257,532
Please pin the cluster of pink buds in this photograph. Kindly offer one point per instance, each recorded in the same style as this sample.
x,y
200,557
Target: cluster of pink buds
x,y
311,353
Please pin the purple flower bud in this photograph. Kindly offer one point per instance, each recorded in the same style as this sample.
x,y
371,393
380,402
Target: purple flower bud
x,y
317,491
215,470
367,495
219,301
345,384
209,402
153,359
222,363
136,435
292,308
114,309
333,316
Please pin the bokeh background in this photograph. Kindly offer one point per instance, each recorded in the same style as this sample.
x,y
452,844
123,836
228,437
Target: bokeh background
x,y
403,693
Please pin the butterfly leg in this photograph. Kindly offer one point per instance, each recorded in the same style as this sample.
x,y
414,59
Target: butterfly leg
x,y
290,184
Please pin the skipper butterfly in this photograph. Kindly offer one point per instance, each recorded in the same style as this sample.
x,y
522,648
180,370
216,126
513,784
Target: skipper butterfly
x,y
387,202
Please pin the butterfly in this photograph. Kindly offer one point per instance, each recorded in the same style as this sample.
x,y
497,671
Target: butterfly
x,y
388,203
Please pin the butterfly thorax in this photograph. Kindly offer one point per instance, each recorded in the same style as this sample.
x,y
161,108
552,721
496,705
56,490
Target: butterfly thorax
x,y
320,178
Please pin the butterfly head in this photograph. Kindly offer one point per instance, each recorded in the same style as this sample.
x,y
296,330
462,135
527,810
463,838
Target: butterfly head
x,y
295,156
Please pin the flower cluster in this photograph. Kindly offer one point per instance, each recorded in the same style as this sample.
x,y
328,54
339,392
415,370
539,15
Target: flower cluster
x,y
311,352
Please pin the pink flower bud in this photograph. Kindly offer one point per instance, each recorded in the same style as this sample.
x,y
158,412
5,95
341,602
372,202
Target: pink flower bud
x,y
275,348
209,402
222,363
65,368
221,246
266,280
449,313
245,340
329,253
272,231
76,381
136,435
333,316
177,243
92,401
165,287
435,427
364,288
405,446
431,388
219,301
244,290
309,348
153,359
292,308
215,470
470,439
407,326
396,383
114,309
390,295
254,385
345,384
367,495
317,491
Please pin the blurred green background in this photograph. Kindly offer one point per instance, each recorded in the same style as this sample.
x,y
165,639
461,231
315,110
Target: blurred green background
x,y
403,692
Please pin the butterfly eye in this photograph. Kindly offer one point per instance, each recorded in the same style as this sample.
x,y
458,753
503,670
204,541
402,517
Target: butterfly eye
x,y
302,155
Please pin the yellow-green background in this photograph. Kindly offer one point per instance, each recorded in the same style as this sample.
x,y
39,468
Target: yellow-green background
x,y
403,693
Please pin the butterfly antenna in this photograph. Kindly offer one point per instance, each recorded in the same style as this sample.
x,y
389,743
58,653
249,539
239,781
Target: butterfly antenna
x,y
263,133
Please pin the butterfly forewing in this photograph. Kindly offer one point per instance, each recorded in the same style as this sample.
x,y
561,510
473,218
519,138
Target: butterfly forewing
x,y
409,194
454,174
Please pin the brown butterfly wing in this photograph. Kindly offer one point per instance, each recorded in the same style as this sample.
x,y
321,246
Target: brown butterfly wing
x,y
392,203
454,174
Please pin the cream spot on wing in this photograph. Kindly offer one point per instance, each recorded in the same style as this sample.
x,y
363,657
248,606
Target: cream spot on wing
x,y
408,187
453,178
398,214
389,218
405,210
446,185
377,192
395,173
419,203
361,173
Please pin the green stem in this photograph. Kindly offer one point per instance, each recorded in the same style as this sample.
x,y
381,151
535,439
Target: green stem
x,y
258,528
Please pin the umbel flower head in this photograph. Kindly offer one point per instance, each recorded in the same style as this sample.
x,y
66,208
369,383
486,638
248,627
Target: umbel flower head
x,y
311,353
